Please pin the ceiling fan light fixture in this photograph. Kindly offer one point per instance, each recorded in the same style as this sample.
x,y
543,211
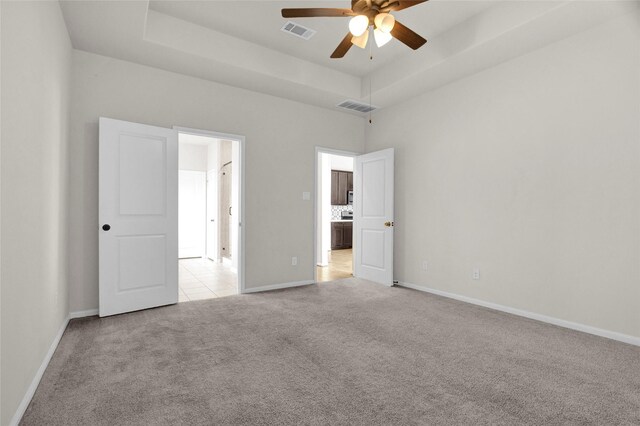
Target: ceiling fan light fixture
x,y
384,22
358,25
361,40
381,37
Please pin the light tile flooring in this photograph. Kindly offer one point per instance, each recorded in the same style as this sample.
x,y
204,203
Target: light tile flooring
x,y
340,266
200,279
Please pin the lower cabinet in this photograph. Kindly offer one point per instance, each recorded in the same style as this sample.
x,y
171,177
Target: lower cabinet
x,y
341,235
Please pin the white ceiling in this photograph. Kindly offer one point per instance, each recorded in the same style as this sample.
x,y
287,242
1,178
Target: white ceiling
x,y
239,43
259,22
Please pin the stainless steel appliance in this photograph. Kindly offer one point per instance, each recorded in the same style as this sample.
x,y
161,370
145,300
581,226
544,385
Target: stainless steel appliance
x,y
346,215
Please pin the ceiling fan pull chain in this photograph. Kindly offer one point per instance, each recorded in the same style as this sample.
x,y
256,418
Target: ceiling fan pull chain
x,y
370,78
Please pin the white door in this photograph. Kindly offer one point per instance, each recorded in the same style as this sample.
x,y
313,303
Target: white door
x,y
373,217
212,211
138,214
192,209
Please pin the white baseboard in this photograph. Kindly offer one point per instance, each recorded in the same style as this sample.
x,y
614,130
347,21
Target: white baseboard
x,y
82,314
31,390
277,286
531,315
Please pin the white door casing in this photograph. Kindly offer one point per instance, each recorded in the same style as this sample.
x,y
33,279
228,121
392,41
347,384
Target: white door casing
x,y
373,189
192,211
138,216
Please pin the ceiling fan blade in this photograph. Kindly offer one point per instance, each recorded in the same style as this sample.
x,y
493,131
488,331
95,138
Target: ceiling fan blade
x,y
404,4
315,12
407,36
343,47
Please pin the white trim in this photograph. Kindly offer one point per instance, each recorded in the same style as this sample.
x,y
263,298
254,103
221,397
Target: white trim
x,y
531,315
241,201
31,390
323,150
83,314
277,286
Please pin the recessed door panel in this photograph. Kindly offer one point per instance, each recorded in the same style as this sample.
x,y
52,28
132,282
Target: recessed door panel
x,y
141,261
373,179
373,238
142,175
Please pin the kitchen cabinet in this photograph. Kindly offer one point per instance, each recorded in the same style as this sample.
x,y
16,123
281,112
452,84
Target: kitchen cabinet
x,y
341,183
341,235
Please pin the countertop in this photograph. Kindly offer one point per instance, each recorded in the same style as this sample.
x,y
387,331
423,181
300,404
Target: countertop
x,y
341,220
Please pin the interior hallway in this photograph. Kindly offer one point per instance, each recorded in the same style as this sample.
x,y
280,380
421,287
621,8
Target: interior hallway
x,y
200,279
340,266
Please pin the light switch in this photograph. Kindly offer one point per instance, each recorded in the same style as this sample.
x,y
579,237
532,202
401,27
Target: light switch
x,y
306,196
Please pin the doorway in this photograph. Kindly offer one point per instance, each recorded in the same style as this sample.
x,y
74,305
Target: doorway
x,y
334,215
208,221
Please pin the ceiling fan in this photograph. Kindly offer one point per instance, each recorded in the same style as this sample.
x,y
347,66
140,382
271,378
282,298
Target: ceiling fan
x,y
366,13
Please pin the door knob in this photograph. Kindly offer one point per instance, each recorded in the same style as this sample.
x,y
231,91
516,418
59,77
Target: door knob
x,y
388,224
106,227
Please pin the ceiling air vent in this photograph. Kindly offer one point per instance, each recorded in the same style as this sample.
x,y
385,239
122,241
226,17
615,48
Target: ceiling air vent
x,y
357,106
298,30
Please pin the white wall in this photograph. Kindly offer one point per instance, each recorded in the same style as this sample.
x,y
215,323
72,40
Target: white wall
x,y
280,140
36,62
192,157
531,172
339,162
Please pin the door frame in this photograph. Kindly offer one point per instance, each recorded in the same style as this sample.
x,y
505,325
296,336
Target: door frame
x,y
323,150
241,197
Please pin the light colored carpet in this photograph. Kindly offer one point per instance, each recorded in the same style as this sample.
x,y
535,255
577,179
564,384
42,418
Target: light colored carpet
x,y
346,352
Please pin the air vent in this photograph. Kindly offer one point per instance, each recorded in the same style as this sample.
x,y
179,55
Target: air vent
x,y
298,30
357,106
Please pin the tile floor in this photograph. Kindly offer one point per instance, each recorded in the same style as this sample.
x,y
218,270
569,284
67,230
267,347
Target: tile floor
x,y
200,279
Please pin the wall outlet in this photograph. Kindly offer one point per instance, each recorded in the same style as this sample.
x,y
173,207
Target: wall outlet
x,y
476,273
306,196
294,261
425,265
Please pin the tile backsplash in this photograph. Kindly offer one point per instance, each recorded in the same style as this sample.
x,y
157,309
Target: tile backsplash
x,y
336,211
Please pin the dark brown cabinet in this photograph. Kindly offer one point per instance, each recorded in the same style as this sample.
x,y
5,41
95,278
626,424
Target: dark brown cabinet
x,y
341,183
341,235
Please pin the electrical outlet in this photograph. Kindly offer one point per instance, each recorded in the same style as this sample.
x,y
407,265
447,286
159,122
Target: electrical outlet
x,y
306,196
476,273
294,261
425,266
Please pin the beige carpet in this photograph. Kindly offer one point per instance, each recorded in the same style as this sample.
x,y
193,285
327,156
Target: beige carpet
x,y
346,352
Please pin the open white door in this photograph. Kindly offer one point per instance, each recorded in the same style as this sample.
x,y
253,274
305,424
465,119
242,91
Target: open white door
x,y
138,214
373,217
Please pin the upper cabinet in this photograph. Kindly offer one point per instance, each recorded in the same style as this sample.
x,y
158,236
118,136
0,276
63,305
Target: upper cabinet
x,y
341,184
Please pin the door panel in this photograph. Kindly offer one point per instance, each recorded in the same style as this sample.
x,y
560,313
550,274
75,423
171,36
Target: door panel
x,y
334,188
138,217
373,216
342,188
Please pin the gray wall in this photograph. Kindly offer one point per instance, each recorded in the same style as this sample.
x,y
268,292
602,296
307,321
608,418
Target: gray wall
x,y
280,140
531,172
36,67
